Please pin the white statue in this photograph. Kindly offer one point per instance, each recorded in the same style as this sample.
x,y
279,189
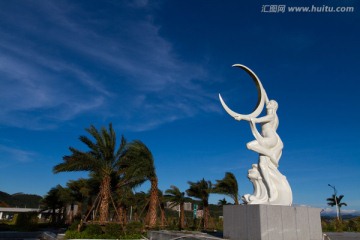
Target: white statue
x,y
270,186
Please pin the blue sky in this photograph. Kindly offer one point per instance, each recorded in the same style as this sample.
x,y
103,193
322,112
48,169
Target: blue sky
x,y
155,68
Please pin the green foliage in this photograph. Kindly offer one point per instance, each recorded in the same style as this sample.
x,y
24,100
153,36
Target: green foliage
x,y
138,164
132,236
354,225
334,225
93,229
26,221
70,234
216,210
109,231
200,190
113,229
57,198
90,232
228,186
134,227
74,225
13,220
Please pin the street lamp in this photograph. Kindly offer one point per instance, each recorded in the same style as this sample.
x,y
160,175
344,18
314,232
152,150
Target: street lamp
x,y
336,203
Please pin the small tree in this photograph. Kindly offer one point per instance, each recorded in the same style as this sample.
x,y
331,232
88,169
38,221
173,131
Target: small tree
x,y
222,202
335,200
228,186
102,159
80,192
201,190
56,201
139,166
177,198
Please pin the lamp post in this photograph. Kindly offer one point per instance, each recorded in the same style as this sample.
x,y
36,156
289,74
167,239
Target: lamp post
x,y
336,203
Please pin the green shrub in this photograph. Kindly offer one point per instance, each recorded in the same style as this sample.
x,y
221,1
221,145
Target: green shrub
x,y
26,221
13,220
93,229
134,228
326,226
75,226
353,225
72,234
82,235
132,236
113,230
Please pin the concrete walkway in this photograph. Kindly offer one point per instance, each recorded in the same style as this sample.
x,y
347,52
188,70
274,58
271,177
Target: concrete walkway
x,y
8,235
343,235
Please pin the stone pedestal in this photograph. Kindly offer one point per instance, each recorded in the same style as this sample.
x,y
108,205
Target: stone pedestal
x,y
271,222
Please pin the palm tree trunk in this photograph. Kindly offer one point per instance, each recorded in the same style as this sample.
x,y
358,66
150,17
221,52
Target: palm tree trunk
x,y
105,197
121,214
340,218
136,217
162,208
125,216
236,200
53,215
71,214
206,215
152,214
182,216
79,210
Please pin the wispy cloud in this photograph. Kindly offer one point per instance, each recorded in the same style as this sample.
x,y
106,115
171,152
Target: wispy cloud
x,y
15,154
33,96
69,65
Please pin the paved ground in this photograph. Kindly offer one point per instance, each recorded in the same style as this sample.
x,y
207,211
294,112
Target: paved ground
x,y
343,236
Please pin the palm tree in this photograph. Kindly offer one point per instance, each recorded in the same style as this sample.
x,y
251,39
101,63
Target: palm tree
x,y
335,200
177,198
56,201
138,166
139,204
201,190
125,199
101,160
228,186
80,192
222,202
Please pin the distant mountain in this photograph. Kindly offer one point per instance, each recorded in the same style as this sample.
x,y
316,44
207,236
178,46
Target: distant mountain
x,y
350,214
19,200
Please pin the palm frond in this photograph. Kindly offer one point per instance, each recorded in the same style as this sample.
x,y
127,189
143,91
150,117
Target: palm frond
x,y
227,186
200,189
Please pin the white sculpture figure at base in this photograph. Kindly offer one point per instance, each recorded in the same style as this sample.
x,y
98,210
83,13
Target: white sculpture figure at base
x,y
270,186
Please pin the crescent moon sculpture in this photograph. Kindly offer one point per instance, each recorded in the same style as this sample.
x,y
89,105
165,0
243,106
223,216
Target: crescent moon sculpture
x,y
262,97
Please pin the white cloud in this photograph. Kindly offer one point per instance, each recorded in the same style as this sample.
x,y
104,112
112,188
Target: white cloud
x,y
332,211
33,98
75,68
15,154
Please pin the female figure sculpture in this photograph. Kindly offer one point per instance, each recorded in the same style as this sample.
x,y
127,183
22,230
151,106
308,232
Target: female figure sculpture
x,y
270,186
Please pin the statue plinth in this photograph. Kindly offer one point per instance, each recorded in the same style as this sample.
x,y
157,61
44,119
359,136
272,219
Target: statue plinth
x,y
268,213
270,222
